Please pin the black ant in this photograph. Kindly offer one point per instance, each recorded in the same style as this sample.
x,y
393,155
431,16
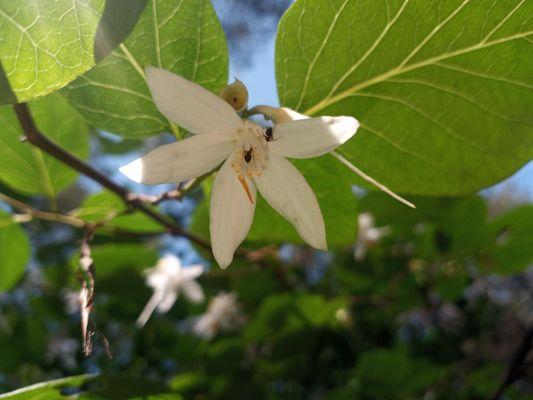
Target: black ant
x,y
269,135
248,156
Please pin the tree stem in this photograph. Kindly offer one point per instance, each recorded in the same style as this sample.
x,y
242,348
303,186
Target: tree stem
x,y
513,372
39,140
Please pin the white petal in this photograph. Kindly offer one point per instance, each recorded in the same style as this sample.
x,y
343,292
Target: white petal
x,y
167,301
190,105
231,213
193,291
149,308
179,161
312,137
192,272
287,192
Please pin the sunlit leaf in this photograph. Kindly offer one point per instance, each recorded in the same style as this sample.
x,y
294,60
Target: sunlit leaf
x,y
45,44
184,37
27,169
443,89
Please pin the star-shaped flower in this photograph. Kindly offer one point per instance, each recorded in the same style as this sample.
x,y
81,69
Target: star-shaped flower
x,y
252,158
167,279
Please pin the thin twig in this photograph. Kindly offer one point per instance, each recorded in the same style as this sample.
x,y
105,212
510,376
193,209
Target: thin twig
x,y
514,370
44,215
175,194
38,139
30,213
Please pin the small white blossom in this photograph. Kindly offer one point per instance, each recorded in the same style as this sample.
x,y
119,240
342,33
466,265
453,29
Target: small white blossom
x,y
252,158
167,279
223,314
368,235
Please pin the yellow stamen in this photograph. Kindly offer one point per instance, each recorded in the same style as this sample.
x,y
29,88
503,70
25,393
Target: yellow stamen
x,y
242,180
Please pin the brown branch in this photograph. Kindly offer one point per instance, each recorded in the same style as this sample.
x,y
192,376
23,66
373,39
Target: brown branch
x,y
29,213
44,215
41,141
175,194
514,370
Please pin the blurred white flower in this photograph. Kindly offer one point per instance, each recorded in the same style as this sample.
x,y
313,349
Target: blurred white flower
x,y
253,159
224,314
167,279
368,235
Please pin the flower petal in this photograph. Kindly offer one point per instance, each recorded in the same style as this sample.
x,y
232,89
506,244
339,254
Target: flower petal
x,y
190,105
287,192
179,161
192,272
168,299
231,213
193,291
312,137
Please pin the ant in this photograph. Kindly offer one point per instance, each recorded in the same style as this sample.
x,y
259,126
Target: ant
x,y
269,135
248,156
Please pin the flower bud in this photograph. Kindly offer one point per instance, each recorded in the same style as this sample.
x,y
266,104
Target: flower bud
x,y
278,115
236,95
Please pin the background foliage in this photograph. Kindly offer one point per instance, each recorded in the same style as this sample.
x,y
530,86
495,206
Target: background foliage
x,y
434,307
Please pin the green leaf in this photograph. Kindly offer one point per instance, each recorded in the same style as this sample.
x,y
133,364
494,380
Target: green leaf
x,y
14,253
6,94
508,245
6,220
118,20
106,206
383,372
47,390
99,206
184,37
443,89
45,44
110,258
27,169
93,387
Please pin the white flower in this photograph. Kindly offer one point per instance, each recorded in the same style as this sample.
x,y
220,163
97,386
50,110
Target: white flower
x,y
167,279
223,314
368,234
251,159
